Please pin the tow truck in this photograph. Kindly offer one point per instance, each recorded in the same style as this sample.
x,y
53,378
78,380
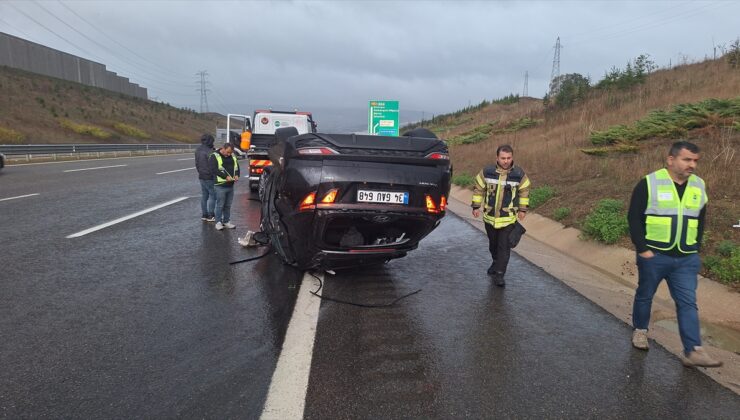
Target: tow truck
x,y
235,135
262,136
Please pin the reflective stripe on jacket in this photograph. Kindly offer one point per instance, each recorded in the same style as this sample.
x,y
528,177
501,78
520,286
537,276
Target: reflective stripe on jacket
x,y
502,193
671,221
221,172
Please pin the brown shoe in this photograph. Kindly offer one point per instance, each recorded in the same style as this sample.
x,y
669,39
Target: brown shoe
x,y
699,357
640,339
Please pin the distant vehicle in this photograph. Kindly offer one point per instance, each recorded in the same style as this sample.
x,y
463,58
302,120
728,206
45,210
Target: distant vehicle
x,y
266,122
2,161
343,200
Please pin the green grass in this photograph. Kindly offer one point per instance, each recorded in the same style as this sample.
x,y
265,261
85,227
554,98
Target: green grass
x,y
674,123
607,222
10,136
475,135
463,179
131,131
561,213
84,129
539,195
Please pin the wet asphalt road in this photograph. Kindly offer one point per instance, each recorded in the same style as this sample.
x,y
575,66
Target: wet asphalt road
x,y
147,319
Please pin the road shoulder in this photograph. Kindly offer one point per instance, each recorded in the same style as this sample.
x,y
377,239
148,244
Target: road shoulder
x,y
607,276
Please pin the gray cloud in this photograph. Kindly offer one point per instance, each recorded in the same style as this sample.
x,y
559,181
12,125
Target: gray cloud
x,y
433,56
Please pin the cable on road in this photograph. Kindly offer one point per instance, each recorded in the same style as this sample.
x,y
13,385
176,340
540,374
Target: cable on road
x,y
267,252
362,305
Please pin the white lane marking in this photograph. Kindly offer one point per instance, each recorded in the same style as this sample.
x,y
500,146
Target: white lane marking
x,y
286,398
186,159
176,170
124,218
96,159
20,196
90,169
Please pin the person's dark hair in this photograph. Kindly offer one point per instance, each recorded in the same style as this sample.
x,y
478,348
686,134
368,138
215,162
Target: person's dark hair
x,y
504,148
677,146
228,146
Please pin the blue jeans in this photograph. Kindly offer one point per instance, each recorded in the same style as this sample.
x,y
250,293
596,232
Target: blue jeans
x,y
680,274
224,197
208,197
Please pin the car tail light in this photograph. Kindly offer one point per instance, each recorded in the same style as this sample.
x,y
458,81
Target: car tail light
x,y
431,207
330,196
438,155
317,151
442,203
309,202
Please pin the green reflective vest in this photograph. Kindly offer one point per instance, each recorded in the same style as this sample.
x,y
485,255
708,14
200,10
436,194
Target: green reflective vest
x,y
220,160
672,222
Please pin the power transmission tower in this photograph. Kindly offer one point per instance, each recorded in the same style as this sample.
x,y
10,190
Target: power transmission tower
x,y
203,90
525,93
555,75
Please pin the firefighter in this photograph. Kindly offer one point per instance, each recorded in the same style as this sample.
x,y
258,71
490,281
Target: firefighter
x,y
503,192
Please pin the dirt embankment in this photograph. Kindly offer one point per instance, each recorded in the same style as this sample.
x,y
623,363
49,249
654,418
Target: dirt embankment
x,y
36,109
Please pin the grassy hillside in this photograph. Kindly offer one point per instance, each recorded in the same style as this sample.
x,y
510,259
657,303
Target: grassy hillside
x,y
36,109
633,128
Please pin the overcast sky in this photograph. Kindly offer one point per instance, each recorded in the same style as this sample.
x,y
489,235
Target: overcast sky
x,y
432,56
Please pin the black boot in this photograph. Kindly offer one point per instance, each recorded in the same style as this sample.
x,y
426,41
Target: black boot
x,y
491,270
498,279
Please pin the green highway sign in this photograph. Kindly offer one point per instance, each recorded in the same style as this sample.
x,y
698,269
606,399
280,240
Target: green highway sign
x,y
382,118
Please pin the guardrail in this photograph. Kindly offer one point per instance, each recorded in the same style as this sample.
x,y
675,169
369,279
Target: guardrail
x,y
54,150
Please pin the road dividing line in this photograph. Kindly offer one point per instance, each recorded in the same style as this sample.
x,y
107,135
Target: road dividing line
x,y
124,218
186,158
176,170
90,169
286,398
20,196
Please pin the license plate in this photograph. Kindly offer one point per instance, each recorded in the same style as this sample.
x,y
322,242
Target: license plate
x,y
387,197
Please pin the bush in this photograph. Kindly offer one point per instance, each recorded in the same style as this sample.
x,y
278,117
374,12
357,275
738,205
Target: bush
x,y
131,131
725,248
10,136
607,222
88,130
561,213
725,269
537,196
463,179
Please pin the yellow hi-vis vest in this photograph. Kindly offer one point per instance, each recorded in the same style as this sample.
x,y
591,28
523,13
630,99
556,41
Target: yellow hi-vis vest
x,y
672,222
220,161
500,194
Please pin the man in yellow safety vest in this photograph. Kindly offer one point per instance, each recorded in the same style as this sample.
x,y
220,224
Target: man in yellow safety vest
x,y
666,219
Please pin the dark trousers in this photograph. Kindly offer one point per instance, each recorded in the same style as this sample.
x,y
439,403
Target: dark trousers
x,y
498,245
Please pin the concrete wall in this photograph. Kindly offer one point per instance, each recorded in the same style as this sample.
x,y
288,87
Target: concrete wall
x,y
25,55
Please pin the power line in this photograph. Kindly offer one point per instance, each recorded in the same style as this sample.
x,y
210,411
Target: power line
x,y
164,71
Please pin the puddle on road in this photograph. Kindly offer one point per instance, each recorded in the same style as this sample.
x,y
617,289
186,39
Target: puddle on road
x,y
714,335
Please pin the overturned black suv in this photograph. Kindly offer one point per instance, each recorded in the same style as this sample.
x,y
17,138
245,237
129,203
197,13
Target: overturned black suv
x,y
343,200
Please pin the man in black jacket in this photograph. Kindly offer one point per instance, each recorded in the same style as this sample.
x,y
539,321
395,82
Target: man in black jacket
x,y
206,177
225,170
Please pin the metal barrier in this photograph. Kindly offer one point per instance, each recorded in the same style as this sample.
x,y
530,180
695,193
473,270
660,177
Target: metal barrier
x,y
31,150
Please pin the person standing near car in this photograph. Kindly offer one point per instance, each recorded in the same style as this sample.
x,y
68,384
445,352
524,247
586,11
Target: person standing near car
x,y
666,220
205,176
502,190
226,172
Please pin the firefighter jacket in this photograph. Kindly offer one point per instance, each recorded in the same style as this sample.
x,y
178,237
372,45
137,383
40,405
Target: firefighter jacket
x,y
502,193
670,220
